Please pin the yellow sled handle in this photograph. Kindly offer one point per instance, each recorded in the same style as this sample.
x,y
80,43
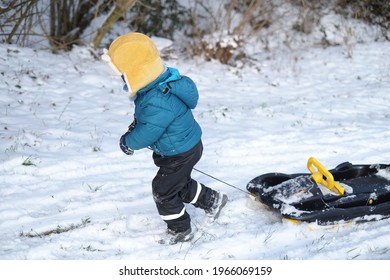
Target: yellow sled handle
x,y
322,176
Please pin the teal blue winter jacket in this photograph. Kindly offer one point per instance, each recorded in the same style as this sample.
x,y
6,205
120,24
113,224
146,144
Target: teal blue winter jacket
x,y
164,117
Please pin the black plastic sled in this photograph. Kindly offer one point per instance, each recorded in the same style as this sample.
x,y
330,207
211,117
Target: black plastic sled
x,y
345,193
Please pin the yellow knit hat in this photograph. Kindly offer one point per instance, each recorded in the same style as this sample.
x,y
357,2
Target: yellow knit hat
x,y
136,57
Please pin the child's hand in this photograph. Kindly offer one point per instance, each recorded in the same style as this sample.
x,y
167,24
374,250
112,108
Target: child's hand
x,y
123,146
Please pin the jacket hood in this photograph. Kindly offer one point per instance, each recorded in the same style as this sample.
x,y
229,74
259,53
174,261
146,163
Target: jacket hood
x,y
170,81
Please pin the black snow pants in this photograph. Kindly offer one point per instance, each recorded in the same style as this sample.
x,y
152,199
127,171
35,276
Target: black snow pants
x,y
173,186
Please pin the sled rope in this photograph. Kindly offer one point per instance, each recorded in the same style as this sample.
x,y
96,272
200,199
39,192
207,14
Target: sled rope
x,y
219,180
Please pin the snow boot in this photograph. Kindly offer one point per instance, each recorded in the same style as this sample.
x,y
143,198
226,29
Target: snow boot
x,y
220,201
173,237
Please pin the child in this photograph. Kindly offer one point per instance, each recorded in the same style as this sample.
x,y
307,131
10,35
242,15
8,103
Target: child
x,y
163,121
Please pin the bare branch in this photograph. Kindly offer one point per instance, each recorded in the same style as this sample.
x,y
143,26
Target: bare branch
x,y
20,20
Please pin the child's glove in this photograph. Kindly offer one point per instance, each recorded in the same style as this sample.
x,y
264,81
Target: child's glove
x,y
123,146
132,125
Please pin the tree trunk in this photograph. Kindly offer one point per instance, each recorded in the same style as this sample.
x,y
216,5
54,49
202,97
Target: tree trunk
x,y
120,8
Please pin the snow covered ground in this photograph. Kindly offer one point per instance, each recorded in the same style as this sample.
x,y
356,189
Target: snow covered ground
x,y
68,192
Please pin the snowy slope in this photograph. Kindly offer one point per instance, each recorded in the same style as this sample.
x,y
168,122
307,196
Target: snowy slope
x,y
67,191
